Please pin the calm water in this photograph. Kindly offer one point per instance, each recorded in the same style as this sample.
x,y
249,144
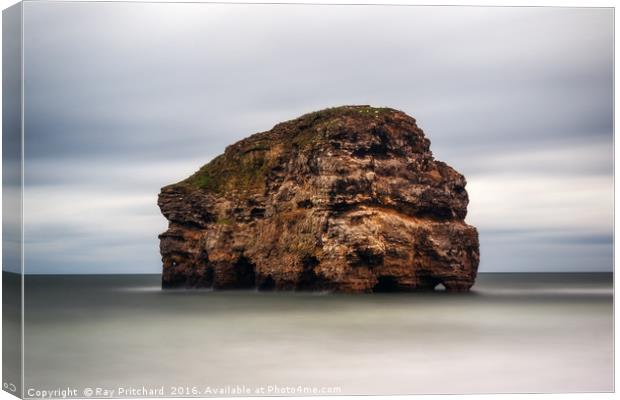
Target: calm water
x,y
513,333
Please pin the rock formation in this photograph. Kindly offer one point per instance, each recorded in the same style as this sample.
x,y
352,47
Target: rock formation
x,y
346,199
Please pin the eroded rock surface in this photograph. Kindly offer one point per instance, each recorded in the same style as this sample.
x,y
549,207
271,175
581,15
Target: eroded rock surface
x,y
345,199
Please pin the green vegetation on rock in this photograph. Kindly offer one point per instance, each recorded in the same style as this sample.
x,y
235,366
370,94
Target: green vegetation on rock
x,y
243,167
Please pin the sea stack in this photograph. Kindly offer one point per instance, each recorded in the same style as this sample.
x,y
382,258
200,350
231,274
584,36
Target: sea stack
x,y
346,199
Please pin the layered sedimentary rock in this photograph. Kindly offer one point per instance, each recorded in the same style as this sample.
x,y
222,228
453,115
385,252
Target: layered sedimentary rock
x,y
345,199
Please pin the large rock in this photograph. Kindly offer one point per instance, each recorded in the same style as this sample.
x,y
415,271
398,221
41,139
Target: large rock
x,y
347,199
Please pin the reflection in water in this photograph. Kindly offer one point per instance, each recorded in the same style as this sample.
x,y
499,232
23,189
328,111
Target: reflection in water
x,y
513,333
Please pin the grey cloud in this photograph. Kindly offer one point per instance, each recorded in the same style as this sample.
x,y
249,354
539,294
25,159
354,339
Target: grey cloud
x,y
548,237
144,87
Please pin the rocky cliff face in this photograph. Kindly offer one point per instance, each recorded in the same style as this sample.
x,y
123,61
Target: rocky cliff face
x,y
346,199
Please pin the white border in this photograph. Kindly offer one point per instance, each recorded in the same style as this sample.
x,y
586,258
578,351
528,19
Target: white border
x,y
522,3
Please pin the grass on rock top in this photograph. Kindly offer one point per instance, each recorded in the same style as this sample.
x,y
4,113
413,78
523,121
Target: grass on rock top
x,y
243,165
241,172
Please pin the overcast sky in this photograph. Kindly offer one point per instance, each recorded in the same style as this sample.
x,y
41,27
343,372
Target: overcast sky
x,y
124,98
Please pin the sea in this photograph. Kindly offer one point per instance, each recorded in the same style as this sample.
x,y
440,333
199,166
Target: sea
x,y
108,336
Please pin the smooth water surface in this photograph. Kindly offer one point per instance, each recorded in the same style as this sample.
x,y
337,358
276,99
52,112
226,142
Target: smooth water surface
x,y
512,333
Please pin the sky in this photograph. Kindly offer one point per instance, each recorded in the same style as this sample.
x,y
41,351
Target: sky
x,y
124,98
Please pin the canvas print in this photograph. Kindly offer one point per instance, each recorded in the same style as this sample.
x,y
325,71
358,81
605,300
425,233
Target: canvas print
x,y
218,200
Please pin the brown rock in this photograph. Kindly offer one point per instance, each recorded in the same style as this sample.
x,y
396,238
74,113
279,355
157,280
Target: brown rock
x,y
347,199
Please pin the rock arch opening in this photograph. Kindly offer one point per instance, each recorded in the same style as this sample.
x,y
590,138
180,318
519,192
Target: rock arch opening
x,y
267,284
386,284
246,273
